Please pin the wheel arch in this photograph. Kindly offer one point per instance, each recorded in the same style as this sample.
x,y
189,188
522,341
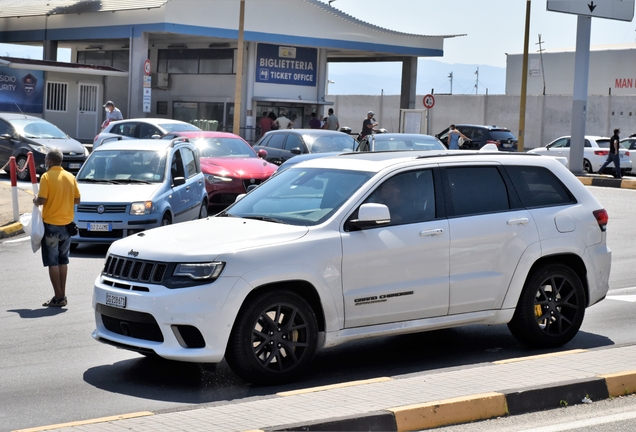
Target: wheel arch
x,y
573,261
301,287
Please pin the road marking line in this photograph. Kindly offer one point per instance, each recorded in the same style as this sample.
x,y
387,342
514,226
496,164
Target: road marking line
x,y
334,386
557,354
627,298
584,423
87,422
20,240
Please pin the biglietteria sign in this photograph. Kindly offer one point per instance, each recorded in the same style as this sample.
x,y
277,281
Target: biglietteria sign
x,y
622,10
286,65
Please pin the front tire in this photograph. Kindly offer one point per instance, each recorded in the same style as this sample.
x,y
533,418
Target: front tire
x,y
167,220
551,307
21,162
274,338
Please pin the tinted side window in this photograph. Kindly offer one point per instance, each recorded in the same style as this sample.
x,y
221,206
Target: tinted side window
x,y
5,128
476,190
276,141
294,141
538,187
409,196
190,162
147,131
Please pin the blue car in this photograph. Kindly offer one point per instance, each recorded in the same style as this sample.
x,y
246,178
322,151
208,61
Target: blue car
x,y
129,186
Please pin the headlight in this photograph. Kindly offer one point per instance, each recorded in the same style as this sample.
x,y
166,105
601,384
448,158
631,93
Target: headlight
x,y
200,271
140,208
39,148
217,179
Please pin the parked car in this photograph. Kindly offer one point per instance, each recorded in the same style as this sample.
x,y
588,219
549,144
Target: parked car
x,y
595,153
132,186
480,135
229,164
287,143
21,134
630,145
142,128
400,141
360,245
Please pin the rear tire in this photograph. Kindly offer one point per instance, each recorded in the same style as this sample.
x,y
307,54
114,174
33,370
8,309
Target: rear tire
x,y
587,167
203,213
551,307
274,338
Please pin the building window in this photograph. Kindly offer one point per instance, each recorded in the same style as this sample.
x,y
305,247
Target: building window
x,y
56,96
196,61
117,59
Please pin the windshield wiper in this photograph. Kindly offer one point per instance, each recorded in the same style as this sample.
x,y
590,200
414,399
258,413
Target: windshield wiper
x,y
134,181
89,180
264,218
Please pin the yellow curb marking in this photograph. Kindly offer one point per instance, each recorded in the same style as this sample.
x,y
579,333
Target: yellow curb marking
x,y
587,181
450,411
11,228
628,184
87,422
335,386
540,356
621,383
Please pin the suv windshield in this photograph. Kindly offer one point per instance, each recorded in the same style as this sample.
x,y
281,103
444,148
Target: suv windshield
x,y
126,166
330,143
178,127
300,196
224,147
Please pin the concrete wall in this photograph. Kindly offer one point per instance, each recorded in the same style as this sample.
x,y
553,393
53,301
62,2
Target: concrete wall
x,y
547,117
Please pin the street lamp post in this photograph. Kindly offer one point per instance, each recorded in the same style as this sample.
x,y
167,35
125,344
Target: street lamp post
x,y
236,127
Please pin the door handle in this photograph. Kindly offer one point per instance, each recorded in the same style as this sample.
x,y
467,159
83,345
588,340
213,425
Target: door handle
x,y
187,188
432,232
520,221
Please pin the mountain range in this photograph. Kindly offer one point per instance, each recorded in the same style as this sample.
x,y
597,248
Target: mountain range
x,y
378,78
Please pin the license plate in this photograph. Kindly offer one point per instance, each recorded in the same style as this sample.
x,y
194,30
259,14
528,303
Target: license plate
x,y
118,301
507,145
74,165
99,227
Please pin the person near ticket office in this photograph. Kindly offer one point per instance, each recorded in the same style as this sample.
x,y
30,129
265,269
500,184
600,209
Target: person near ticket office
x,y
368,125
58,196
112,113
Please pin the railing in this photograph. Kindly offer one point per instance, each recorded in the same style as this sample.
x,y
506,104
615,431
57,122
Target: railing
x,y
13,172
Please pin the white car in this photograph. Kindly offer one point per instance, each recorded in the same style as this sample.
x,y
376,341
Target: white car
x,y
595,151
141,128
630,145
361,245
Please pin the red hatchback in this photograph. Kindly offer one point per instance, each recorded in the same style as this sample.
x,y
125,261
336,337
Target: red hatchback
x,y
229,164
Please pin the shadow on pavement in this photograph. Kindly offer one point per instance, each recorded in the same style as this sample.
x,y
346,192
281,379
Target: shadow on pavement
x,y
38,313
431,352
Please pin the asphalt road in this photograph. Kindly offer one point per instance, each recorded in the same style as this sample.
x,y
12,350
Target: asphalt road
x,y
51,370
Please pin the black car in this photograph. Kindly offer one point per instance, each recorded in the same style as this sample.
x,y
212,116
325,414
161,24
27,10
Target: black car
x,y
480,135
21,134
287,143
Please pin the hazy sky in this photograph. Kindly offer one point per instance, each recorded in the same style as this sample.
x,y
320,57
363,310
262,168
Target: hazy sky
x,y
493,27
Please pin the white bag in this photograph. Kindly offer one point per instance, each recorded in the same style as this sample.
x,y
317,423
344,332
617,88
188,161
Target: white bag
x,y
33,225
460,142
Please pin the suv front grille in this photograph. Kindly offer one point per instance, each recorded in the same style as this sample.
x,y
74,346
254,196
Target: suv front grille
x,y
134,269
138,325
247,183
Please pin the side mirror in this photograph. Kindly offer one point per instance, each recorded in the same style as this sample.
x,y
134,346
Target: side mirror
x,y
239,197
251,188
296,151
178,181
6,137
262,153
371,215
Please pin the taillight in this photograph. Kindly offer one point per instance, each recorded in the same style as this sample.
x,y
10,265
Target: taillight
x,y
626,153
95,139
601,152
497,143
601,217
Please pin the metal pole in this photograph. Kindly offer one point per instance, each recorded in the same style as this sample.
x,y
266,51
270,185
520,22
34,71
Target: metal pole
x,y
579,94
524,83
238,96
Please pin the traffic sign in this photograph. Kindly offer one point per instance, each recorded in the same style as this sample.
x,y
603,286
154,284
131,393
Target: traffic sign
x,y
147,67
429,101
622,10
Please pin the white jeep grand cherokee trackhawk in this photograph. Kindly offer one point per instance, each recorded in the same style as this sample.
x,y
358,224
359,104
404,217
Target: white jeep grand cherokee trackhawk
x,y
361,245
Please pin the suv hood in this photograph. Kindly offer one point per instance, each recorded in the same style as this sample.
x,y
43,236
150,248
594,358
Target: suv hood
x,y
205,239
104,193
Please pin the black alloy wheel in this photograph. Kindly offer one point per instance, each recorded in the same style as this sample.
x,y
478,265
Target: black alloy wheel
x,y
587,166
274,338
551,308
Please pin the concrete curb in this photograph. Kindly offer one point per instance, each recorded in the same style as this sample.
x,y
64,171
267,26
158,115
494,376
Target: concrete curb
x,y
10,230
479,407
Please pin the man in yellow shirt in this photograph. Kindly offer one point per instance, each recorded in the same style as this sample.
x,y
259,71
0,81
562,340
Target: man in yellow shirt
x,y
58,195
